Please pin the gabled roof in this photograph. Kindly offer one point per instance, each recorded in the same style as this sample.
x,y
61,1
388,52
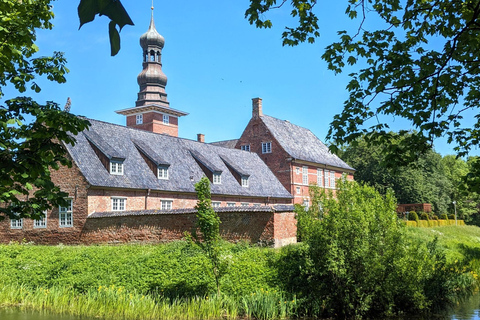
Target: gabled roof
x,y
225,143
103,146
301,144
184,171
149,153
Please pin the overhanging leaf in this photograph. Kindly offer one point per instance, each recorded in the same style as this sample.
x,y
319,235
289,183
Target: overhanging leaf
x,y
114,38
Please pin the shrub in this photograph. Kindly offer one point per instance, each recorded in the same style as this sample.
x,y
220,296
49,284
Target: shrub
x,y
424,216
444,216
340,277
434,217
412,216
451,216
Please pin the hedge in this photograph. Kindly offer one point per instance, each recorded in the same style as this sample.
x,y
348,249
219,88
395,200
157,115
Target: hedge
x,y
434,223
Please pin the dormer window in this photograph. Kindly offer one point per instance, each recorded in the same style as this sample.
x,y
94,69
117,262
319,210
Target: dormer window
x,y
245,181
217,178
166,119
162,172
139,118
116,167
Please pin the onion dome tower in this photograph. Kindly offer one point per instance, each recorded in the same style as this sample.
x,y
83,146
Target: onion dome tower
x,y
152,110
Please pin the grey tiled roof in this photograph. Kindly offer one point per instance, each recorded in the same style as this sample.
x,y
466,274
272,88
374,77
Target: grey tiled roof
x,y
226,143
273,208
103,145
184,171
300,143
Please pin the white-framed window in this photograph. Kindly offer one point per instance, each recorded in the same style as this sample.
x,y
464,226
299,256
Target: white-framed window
x,y
305,175
65,214
162,172
266,147
320,177
327,179
166,119
42,222
139,118
245,181
166,204
332,179
119,204
298,190
244,204
216,204
16,223
217,178
116,167
306,203
230,204
297,170
245,147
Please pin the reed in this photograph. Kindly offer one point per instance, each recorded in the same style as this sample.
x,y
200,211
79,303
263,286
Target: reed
x,y
109,302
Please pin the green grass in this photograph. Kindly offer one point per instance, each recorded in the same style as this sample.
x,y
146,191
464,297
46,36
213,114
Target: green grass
x,y
115,302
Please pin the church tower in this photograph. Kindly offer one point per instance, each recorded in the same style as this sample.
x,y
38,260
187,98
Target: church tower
x,y
152,110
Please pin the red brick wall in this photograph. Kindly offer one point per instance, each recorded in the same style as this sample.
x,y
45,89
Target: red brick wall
x,y
258,227
153,122
69,180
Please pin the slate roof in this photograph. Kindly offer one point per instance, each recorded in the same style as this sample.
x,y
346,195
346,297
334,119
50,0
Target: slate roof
x,y
184,171
225,143
272,208
301,144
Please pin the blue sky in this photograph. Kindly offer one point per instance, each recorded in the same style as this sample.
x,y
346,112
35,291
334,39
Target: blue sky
x,y
215,61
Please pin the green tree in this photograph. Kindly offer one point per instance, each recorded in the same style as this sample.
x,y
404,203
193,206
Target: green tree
x,y
359,261
29,149
208,223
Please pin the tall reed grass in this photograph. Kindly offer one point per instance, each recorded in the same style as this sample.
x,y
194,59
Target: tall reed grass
x,y
115,302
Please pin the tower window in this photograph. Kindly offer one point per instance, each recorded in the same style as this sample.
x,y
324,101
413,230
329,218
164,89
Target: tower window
x,y
166,119
152,56
139,118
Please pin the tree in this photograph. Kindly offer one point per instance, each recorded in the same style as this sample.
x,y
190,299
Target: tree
x,y
29,149
359,261
208,223
430,178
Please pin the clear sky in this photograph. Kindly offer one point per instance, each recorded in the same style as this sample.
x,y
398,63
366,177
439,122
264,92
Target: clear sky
x,y
215,61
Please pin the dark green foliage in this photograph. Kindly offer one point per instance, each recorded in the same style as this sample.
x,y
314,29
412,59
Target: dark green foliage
x,y
176,269
208,223
424,216
430,178
444,216
358,261
451,216
412,216
29,149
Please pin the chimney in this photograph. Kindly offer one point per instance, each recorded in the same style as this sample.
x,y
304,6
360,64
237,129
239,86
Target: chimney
x,y
257,108
201,137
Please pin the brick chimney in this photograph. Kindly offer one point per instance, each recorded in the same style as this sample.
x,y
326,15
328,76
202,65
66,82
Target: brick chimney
x,y
257,108
201,137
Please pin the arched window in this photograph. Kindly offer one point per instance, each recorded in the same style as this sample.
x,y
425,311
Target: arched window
x,y
145,56
152,56
158,56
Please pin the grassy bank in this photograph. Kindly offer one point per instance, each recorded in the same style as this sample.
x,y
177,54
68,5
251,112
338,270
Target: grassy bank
x,y
174,280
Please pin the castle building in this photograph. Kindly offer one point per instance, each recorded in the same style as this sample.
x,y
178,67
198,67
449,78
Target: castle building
x,y
135,183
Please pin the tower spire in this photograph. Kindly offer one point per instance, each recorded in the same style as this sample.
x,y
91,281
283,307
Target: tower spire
x,y
152,110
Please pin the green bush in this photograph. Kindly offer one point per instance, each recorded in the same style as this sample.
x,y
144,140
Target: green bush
x,y
341,272
424,216
434,217
451,216
443,216
412,216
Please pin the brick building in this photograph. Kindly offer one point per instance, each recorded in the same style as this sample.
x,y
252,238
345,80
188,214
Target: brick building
x,y
136,182
293,153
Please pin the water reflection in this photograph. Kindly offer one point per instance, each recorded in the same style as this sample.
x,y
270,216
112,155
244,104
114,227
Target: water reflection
x,y
467,310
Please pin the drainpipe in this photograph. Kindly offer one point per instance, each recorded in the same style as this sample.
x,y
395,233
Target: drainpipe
x,y
146,199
